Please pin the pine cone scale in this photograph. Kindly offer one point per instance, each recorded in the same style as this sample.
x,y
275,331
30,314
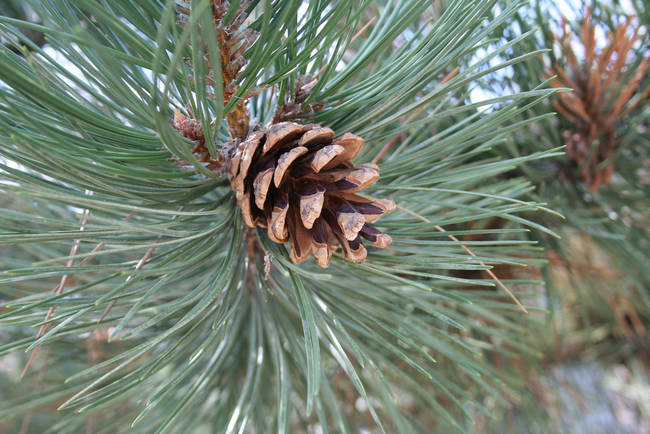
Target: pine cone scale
x,y
301,239
311,204
352,146
324,156
279,134
277,229
316,136
262,184
371,210
285,161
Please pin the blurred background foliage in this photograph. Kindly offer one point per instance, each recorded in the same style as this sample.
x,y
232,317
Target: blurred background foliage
x,y
596,344
598,270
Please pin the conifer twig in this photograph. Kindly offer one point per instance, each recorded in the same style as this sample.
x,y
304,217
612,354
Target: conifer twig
x,y
363,29
62,283
58,290
469,252
487,270
138,266
233,39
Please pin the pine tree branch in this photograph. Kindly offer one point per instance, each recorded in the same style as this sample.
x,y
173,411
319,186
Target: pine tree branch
x,y
205,314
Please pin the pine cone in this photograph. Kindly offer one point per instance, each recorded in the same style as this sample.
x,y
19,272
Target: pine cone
x,y
299,183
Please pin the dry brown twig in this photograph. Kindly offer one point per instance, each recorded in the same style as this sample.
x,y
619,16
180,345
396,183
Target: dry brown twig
x,y
64,280
469,252
57,290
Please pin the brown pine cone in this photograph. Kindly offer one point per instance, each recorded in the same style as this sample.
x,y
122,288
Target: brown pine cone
x,y
299,183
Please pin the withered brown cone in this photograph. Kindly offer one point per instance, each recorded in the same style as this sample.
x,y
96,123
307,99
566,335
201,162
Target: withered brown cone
x,y
191,129
299,183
